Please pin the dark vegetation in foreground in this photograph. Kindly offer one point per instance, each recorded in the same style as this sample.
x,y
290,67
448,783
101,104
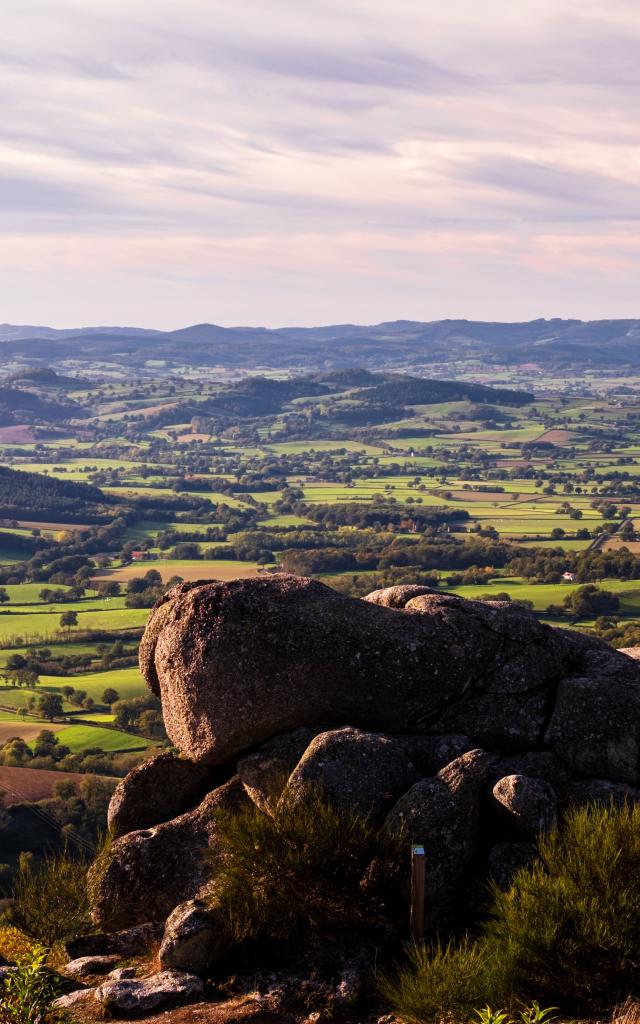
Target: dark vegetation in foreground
x,y
314,881
566,932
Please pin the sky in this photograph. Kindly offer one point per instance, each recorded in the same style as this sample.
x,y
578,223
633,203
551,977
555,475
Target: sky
x,y
282,162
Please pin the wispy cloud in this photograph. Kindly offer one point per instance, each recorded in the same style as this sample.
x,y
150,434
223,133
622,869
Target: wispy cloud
x,y
276,161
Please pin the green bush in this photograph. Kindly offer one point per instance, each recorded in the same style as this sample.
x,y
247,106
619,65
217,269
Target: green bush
x,y
28,992
444,981
304,872
567,930
570,927
50,898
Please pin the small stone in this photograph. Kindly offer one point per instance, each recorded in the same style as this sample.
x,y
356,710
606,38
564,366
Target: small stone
x,y
122,973
196,937
130,942
89,965
141,996
73,998
528,806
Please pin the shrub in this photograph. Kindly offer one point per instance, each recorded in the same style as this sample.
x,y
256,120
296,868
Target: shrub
x,y
304,872
567,930
570,926
444,982
50,900
28,992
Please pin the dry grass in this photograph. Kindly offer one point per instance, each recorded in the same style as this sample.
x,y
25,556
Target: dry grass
x,y
627,1013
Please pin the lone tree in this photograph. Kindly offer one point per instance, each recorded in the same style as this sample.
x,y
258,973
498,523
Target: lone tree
x,y
68,620
110,696
4,597
50,706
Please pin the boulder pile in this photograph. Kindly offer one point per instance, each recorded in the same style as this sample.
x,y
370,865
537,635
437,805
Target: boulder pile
x,y
470,723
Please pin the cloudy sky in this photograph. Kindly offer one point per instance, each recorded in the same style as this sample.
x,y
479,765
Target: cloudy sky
x,y
165,162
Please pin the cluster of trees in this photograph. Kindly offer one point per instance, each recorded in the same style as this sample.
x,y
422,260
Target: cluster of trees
x,y
144,591
142,715
585,603
37,496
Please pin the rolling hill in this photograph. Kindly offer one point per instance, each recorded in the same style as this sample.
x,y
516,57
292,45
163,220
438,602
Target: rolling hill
x,y
400,343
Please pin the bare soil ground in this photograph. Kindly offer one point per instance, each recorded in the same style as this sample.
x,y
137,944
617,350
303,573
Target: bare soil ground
x,y
27,730
28,525
32,783
232,1011
16,435
557,436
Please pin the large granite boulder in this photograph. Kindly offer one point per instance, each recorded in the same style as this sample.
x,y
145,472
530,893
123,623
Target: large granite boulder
x,y
155,791
379,702
442,813
237,663
356,771
145,874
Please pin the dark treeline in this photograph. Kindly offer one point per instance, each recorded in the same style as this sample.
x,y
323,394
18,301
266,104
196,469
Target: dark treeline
x,y
36,496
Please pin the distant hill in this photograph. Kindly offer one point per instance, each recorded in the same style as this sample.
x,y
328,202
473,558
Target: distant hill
x,y
19,406
397,344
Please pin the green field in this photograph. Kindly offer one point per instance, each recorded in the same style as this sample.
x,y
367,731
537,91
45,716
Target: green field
x,y
84,737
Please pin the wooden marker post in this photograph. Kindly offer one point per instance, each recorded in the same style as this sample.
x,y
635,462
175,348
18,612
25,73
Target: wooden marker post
x,y
417,893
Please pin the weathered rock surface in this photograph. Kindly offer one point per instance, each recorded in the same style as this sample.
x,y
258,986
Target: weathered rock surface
x,y
133,941
431,753
528,806
168,988
631,652
85,966
149,872
237,663
357,771
595,726
589,791
196,938
442,813
397,597
535,764
507,858
71,999
155,791
264,773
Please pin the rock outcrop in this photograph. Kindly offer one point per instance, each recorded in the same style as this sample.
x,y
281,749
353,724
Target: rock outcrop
x,y
145,874
469,723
